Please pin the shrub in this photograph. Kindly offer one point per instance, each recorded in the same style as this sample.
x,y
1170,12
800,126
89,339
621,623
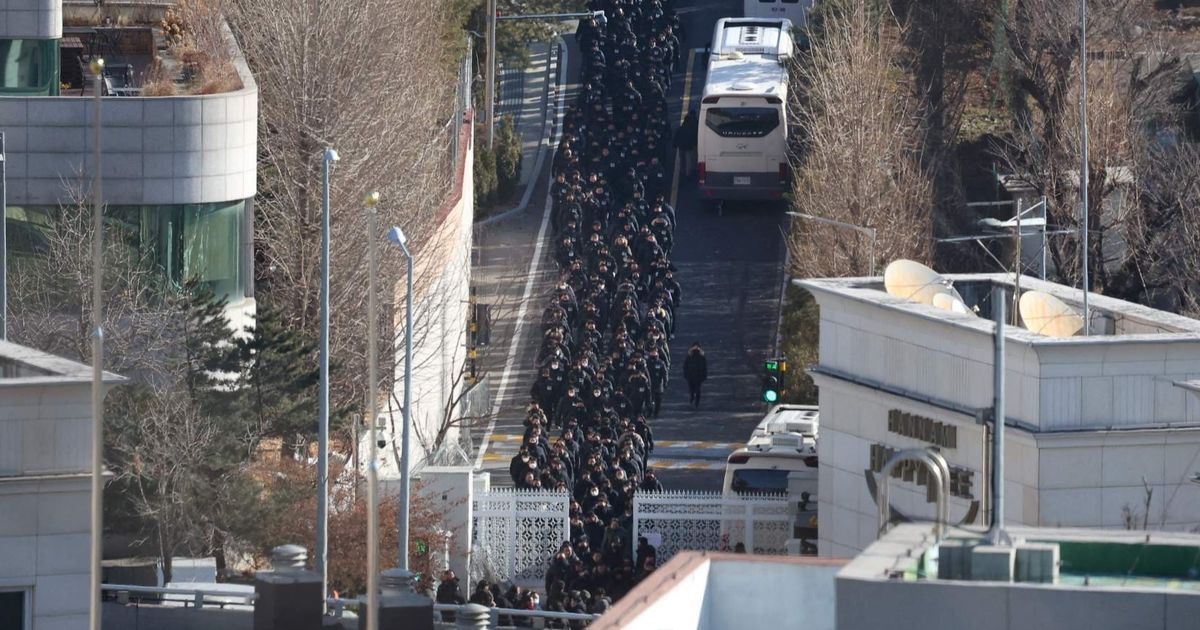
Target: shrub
x,y
485,173
508,158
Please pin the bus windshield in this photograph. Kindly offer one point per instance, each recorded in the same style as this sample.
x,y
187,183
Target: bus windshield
x,y
742,122
756,481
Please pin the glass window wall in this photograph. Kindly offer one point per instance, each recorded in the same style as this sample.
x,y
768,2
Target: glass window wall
x,y
29,66
206,241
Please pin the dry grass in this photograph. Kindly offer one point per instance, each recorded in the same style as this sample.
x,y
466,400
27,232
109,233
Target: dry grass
x,y
217,79
196,35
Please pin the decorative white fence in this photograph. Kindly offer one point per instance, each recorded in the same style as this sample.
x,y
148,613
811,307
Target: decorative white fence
x,y
516,532
712,522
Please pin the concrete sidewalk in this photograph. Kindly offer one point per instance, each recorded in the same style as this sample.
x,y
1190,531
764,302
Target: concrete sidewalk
x,y
512,270
524,95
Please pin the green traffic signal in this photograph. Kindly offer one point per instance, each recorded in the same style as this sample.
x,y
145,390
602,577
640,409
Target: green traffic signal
x,y
770,388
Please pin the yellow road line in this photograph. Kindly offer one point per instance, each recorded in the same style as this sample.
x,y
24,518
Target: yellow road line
x,y
687,95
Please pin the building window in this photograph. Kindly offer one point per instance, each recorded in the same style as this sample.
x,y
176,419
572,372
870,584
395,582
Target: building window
x,y
29,66
205,241
14,609
210,241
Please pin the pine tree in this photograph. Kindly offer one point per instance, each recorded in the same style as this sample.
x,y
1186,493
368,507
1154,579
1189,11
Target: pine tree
x,y
279,378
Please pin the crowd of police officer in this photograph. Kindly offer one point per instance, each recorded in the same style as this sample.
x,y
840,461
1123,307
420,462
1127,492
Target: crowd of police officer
x,y
604,357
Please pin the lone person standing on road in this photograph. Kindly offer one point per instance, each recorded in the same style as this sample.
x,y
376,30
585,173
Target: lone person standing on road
x,y
685,141
695,371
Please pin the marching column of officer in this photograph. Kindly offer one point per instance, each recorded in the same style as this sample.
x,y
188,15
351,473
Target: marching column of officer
x,y
604,359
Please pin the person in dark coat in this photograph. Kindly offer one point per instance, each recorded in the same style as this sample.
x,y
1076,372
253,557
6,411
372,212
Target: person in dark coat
x,y
448,593
685,141
695,371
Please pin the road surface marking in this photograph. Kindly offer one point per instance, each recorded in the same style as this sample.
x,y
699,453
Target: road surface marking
x,y
687,93
534,266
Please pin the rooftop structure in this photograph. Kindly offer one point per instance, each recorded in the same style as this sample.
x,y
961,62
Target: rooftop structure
x,y
179,171
1105,426
751,58
705,590
1061,578
1058,578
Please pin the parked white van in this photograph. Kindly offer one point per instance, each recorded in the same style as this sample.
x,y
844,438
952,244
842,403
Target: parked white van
x,y
784,442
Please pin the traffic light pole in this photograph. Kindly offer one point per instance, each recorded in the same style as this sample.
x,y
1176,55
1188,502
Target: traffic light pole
x,y
772,382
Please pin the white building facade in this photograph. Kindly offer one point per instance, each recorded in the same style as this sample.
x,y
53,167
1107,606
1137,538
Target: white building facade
x,y
1101,429
180,172
45,489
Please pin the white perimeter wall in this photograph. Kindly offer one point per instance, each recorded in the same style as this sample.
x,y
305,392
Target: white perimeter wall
x,y
443,282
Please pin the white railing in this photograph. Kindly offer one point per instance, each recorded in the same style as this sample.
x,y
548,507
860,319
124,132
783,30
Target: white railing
x,y
194,597
337,606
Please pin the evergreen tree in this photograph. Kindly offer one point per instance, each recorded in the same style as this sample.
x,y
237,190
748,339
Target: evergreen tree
x,y
279,381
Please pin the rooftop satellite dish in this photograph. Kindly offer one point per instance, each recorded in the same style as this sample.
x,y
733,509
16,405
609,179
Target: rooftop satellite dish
x,y
951,302
1047,315
911,280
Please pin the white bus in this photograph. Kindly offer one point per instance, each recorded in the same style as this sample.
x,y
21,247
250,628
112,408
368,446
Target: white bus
x,y
741,144
794,10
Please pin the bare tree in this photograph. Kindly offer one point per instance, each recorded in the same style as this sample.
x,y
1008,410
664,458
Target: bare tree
x,y
861,159
372,79
51,290
1131,75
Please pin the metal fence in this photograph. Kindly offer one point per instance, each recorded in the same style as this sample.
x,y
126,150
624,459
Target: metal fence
x,y
677,521
515,534
445,614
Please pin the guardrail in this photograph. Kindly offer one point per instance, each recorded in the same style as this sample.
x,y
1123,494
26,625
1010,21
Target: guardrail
x,y
189,597
337,606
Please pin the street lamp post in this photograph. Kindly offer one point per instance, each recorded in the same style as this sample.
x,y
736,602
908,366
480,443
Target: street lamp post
x,y
396,235
97,68
371,201
869,231
1083,159
323,397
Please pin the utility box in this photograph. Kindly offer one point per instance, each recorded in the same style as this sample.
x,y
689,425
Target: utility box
x,y
1037,562
991,563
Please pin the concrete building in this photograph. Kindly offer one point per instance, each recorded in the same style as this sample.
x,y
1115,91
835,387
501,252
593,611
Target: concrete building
x,y
701,590
45,489
179,171
1067,579
1103,428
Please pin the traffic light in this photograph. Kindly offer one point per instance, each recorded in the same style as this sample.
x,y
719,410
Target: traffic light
x,y
772,380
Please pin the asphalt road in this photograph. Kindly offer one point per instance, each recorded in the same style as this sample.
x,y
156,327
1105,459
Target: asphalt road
x,y
729,265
